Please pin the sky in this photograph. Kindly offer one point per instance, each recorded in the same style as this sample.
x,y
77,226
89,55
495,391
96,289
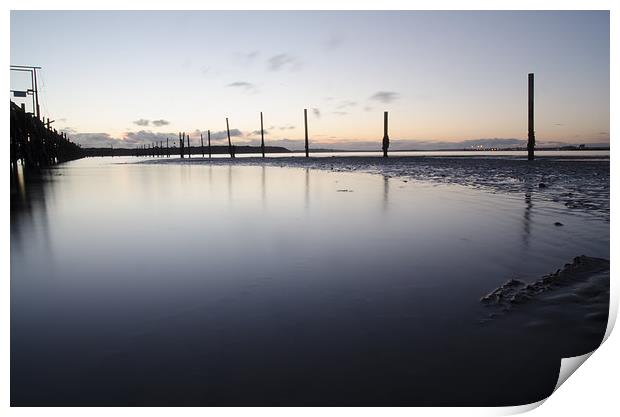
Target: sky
x,y
448,79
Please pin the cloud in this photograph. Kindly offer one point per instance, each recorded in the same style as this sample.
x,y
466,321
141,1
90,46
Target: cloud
x,y
142,137
218,135
160,122
316,112
385,96
340,113
141,122
257,132
94,140
246,58
288,127
346,103
368,108
244,85
334,41
283,61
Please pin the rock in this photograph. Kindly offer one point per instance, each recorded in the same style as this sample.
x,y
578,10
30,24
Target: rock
x,y
558,224
542,185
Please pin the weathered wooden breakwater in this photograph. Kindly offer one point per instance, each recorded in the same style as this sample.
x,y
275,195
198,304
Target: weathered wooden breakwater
x,y
35,144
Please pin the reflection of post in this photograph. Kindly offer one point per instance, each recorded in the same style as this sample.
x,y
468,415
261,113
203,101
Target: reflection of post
x,y
263,185
307,195
386,192
526,217
229,183
386,139
531,140
306,129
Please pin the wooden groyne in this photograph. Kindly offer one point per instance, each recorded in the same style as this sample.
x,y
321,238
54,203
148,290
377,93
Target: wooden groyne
x,y
35,144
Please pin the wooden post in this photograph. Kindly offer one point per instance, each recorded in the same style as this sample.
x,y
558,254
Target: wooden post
x,y
181,142
167,148
386,138
209,142
262,135
189,149
36,94
202,146
230,149
531,139
306,128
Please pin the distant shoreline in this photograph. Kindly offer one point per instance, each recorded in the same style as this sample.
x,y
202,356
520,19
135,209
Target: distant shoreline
x,y
239,149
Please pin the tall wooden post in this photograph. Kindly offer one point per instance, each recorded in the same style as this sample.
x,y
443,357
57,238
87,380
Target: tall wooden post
x,y
306,129
181,142
262,135
167,148
202,145
230,149
386,138
209,142
531,139
189,149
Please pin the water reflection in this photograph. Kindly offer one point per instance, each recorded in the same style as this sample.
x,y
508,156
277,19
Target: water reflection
x,y
307,189
230,184
526,218
330,301
262,184
386,192
29,204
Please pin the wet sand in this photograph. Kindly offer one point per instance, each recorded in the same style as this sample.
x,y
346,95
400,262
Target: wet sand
x,y
578,182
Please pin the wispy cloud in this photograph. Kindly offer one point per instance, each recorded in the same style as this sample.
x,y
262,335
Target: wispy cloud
x,y
246,58
346,104
160,122
257,133
141,122
340,113
287,127
283,61
334,41
243,85
316,112
385,96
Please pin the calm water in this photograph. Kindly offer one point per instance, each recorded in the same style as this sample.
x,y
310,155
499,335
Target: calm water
x,y
249,285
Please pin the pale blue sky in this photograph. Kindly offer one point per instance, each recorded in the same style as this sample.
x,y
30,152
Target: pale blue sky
x,y
444,76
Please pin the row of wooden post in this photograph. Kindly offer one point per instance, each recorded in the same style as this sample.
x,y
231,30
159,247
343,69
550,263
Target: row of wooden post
x,y
184,141
531,140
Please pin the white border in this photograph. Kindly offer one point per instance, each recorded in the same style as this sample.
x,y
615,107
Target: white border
x,y
592,390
